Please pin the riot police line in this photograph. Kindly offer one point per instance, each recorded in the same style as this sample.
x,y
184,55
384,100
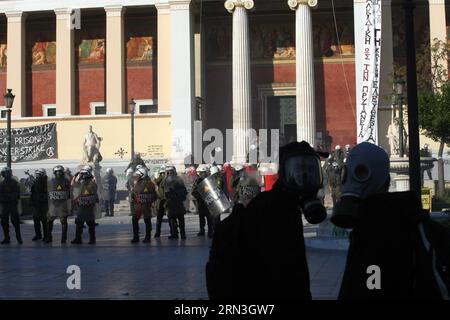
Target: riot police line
x,y
62,195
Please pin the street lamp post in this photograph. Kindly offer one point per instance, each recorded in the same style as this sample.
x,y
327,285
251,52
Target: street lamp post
x,y
132,111
399,84
9,100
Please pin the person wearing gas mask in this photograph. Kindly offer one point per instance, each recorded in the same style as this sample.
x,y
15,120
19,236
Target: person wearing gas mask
x,y
204,215
144,194
86,200
59,201
388,256
39,200
269,261
9,200
175,193
109,186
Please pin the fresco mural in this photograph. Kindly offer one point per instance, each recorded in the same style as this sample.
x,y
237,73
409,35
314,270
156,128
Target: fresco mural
x,y
91,50
3,54
43,52
140,49
275,39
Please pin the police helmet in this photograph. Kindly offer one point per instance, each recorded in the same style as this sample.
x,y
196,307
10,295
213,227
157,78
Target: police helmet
x,y
214,169
109,171
141,173
58,168
239,167
40,172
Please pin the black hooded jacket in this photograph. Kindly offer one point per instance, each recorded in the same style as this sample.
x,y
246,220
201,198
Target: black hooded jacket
x,y
269,262
387,235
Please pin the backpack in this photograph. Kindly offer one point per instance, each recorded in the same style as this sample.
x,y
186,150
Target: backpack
x,y
226,250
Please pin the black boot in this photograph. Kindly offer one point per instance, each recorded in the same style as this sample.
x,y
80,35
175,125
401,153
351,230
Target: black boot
x,y
44,228
135,223
173,228
158,228
201,232
182,229
148,231
64,228
18,235
91,233
37,230
6,239
49,237
78,233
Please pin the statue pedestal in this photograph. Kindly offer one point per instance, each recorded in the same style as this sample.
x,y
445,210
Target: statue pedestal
x,y
400,166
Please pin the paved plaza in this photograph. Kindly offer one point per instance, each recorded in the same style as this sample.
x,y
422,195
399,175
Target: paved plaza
x,y
116,269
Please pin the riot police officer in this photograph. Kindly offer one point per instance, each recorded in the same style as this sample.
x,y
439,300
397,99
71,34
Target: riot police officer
x,y
160,200
203,212
59,201
86,199
9,200
175,194
334,174
144,194
109,186
39,201
245,185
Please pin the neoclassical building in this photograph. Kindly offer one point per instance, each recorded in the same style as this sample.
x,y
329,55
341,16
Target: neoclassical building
x,y
287,65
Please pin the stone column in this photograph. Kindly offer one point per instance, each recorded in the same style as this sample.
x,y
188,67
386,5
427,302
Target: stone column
x,y
242,119
15,68
438,26
65,63
115,60
164,56
305,87
182,79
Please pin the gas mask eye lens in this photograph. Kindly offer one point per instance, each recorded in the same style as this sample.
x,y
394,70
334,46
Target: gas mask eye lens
x,y
361,173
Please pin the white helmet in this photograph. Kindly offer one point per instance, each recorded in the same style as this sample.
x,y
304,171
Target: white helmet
x,y
162,169
171,168
219,167
338,147
129,172
141,173
109,171
139,166
214,169
86,169
40,172
238,167
202,169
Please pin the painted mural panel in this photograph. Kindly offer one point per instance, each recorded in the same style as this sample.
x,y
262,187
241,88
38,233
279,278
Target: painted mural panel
x,y
43,52
273,39
3,54
91,50
140,49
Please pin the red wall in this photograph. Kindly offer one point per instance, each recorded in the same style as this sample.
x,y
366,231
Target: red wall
x,y
41,89
2,83
140,82
91,88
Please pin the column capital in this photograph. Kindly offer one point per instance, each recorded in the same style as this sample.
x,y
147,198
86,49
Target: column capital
x,y
436,1
114,10
63,13
180,4
162,7
230,5
293,4
15,16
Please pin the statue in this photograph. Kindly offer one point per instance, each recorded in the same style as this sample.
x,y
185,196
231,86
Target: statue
x,y
393,136
91,147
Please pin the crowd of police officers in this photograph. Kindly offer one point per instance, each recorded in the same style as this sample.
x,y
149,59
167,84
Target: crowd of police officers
x,y
64,195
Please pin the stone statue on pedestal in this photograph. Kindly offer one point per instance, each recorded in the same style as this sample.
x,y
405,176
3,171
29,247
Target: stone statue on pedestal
x,y
91,148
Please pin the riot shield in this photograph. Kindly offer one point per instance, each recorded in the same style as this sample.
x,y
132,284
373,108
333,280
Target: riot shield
x,y
215,199
86,207
59,203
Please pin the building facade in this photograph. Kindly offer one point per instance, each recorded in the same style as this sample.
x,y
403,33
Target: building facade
x,y
257,64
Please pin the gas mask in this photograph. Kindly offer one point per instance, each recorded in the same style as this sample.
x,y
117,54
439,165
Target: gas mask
x,y
303,174
366,172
